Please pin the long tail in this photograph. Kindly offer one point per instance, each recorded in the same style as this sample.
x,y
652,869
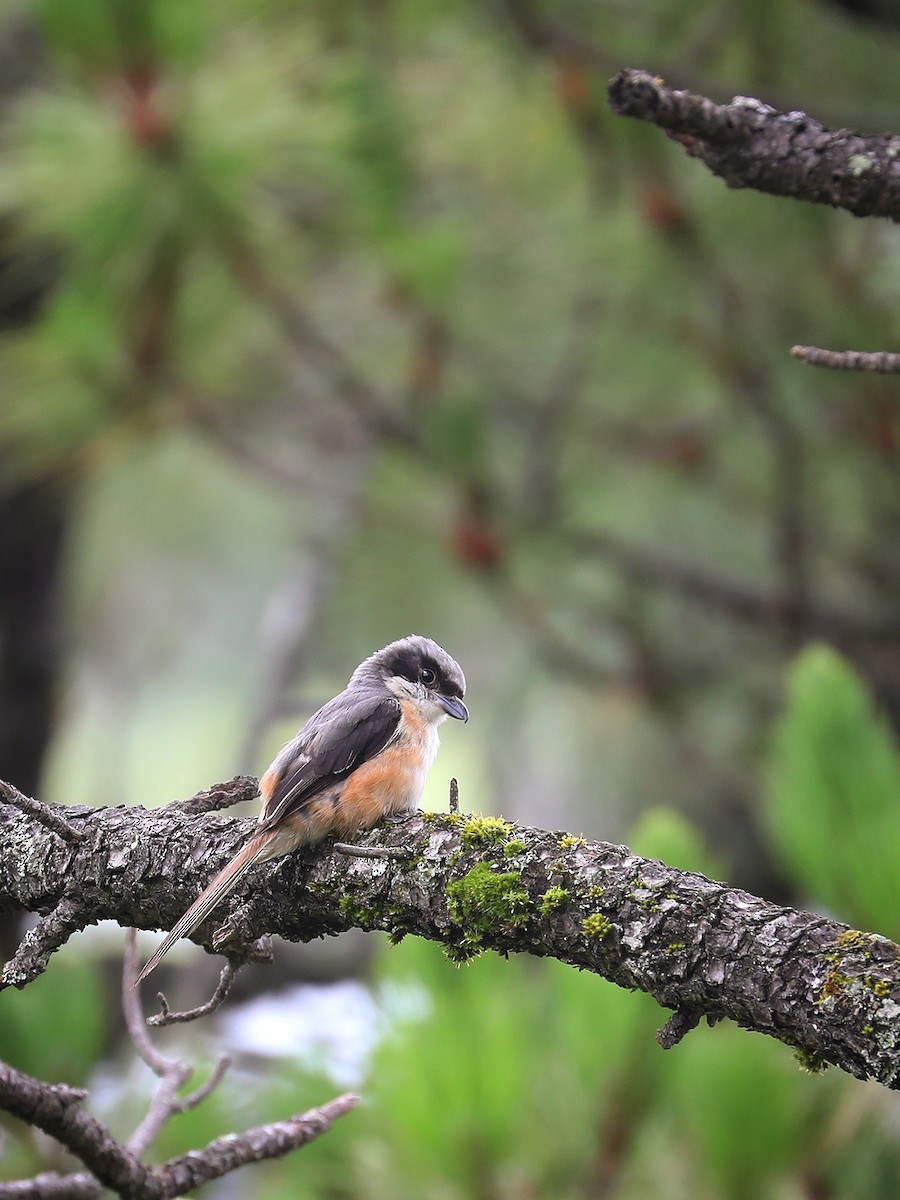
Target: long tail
x,y
209,898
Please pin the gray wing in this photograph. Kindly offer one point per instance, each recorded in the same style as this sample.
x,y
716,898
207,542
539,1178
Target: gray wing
x,y
346,732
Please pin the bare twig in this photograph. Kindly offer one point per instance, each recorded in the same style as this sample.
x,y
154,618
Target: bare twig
x,y
368,851
883,362
166,1016
49,1185
172,1073
198,1095
226,1154
454,796
750,145
56,1110
45,813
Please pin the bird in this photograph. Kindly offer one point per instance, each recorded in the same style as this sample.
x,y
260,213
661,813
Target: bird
x,y
362,756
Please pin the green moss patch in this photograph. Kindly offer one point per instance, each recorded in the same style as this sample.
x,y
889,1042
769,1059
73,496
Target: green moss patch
x,y
483,900
553,898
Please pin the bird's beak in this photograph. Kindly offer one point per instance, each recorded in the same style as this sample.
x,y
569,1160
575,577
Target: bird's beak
x,y
453,707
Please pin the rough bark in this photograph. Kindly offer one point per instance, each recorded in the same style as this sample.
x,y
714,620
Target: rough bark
x,y
750,145
701,948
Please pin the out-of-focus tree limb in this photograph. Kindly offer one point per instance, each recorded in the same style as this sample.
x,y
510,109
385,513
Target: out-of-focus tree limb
x,y
472,883
750,145
57,1110
740,600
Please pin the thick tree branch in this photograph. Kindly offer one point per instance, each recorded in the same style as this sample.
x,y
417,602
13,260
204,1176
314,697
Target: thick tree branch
x,y
475,883
750,145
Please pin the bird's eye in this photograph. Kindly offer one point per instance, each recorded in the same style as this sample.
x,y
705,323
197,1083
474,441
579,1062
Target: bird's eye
x,y
427,676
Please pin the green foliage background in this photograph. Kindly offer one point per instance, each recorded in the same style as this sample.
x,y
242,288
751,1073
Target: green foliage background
x,y
370,310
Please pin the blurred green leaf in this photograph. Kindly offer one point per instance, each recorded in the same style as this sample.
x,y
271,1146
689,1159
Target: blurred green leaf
x,y
58,1028
665,834
517,1072
833,802
749,1113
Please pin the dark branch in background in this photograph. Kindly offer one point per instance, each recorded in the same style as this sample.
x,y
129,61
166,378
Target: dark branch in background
x,y
542,492
882,362
737,599
56,1109
316,350
750,145
474,884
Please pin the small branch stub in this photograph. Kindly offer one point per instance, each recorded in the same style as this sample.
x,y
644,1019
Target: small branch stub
x,y
881,362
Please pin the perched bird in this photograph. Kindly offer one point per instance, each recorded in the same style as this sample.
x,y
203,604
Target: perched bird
x,y
363,756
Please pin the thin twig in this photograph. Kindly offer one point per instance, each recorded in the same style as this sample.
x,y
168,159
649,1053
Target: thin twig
x,y
265,1142
165,1016
131,1008
45,813
368,851
192,1099
56,1109
172,1073
454,796
883,362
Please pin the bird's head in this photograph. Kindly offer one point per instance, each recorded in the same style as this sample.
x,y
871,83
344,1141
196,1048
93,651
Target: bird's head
x,y
416,668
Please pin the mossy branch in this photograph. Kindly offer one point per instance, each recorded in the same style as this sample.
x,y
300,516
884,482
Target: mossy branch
x,y
480,883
